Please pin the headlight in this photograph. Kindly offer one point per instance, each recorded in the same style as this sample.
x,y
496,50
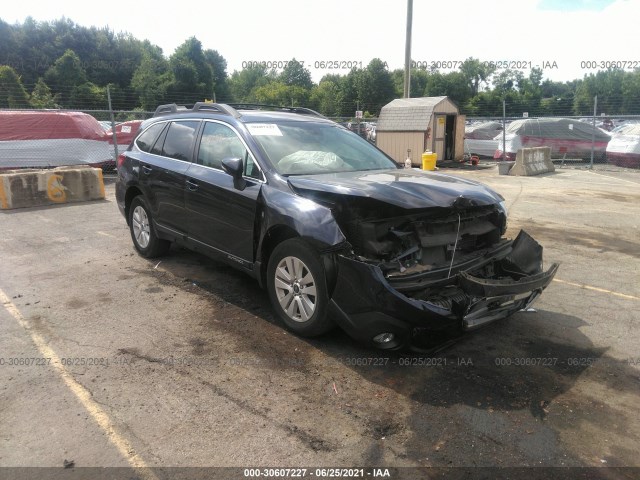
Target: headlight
x,y
503,207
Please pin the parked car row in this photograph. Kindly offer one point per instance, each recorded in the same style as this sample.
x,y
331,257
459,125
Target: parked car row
x,y
568,138
57,138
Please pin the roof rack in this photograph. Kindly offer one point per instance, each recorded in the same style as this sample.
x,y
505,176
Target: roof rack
x,y
280,108
170,108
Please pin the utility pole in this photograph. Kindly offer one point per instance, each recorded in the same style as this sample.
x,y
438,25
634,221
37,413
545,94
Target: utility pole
x,y
113,127
593,133
504,129
407,51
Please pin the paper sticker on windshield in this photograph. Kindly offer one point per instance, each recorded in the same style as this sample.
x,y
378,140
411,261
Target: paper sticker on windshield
x,y
268,129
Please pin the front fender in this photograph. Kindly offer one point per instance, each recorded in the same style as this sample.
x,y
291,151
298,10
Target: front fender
x,y
310,220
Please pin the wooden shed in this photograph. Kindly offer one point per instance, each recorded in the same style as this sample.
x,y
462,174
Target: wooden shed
x,y
421,124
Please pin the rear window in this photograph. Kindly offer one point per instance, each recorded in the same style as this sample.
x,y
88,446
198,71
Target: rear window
x,y
179,141
148,138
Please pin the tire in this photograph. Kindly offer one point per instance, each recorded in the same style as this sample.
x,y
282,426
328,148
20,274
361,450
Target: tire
x,y
297,286
143,234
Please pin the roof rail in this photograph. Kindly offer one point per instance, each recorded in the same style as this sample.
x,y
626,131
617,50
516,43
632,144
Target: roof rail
x,y
216,107
259,106
168,108
197,107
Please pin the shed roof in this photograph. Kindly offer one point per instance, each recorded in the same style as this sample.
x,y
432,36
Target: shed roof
x,y
408,114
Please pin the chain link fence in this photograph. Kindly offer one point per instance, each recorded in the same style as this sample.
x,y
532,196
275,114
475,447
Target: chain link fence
x,y
51,138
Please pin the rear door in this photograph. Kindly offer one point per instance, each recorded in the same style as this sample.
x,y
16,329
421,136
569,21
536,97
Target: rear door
x,y
221,217
163,170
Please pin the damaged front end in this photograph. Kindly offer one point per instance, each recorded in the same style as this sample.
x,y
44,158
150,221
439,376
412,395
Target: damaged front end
x,y
436,269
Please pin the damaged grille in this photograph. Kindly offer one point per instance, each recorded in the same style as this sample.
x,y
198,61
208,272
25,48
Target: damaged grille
x,y
414,243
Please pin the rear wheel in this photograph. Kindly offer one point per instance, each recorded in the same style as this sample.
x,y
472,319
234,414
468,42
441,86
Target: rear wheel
x,y
142,232
298,289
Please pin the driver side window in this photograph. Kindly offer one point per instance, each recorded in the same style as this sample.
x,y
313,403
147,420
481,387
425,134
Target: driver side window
x,y
219,142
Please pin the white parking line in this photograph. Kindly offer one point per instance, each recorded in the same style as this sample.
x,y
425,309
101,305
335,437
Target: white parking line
x,y
101,417
616,178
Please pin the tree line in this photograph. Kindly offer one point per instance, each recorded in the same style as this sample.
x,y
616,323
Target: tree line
x,y
60,64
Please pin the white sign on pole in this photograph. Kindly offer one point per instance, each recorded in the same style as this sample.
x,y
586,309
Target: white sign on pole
x,y
525,114
358,113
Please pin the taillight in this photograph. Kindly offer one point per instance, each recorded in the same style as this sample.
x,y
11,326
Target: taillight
x,y
121,158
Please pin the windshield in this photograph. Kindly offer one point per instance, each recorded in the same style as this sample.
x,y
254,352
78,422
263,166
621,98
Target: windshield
x,y
303,148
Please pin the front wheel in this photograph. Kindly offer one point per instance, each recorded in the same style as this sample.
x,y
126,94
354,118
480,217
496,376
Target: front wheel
x,y
298,289
143,234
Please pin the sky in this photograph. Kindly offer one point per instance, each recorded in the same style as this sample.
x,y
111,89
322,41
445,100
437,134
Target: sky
x,y
567,38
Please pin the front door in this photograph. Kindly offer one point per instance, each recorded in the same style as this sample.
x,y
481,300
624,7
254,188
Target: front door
x,y
221,218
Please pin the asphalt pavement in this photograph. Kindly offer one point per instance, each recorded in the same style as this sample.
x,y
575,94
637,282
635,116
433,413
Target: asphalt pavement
x,y
108,359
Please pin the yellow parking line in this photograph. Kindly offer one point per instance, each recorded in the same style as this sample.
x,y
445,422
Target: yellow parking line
x,y
82,394
596,289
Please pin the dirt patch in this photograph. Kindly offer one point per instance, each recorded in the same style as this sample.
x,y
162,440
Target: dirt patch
x,y
602,241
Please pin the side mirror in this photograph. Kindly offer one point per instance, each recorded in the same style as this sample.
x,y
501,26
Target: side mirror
x,y
234,166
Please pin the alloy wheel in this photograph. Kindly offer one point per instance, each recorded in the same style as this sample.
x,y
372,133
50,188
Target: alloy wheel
x,y
295,288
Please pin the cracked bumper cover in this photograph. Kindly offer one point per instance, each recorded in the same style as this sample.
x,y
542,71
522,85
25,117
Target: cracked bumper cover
x,y
365,303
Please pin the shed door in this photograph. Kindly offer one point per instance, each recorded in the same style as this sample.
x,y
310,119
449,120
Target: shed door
x,y
459,137
444,138
440,122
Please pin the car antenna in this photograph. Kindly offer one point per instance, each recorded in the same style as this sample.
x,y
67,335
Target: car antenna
x,y
455,245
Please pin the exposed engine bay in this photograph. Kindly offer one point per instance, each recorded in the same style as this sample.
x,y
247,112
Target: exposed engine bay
x,y
403,243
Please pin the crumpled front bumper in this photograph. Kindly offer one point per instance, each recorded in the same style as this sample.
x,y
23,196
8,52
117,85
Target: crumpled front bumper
x,y
366,304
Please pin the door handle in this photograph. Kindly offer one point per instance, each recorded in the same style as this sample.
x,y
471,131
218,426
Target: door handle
x,y
192,186
146,170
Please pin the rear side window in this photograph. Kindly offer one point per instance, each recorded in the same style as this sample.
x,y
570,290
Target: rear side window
x,y
147,139
178,143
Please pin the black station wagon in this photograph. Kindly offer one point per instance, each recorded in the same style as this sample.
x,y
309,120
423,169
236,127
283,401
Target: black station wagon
x,y
334,229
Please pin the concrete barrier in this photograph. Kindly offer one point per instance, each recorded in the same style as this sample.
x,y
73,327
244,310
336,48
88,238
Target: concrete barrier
x,y
33,188
532,161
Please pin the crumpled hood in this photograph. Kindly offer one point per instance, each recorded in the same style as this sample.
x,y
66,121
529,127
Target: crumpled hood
x,y
405,188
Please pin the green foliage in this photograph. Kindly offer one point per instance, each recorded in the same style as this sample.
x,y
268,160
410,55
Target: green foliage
x,y
294,74
65,75
41,96
453,84
374,86
69,66
12,92
475,74
193,76
484,104
243,83
277,93
88,96
327,97
617,91
219,72
151,79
